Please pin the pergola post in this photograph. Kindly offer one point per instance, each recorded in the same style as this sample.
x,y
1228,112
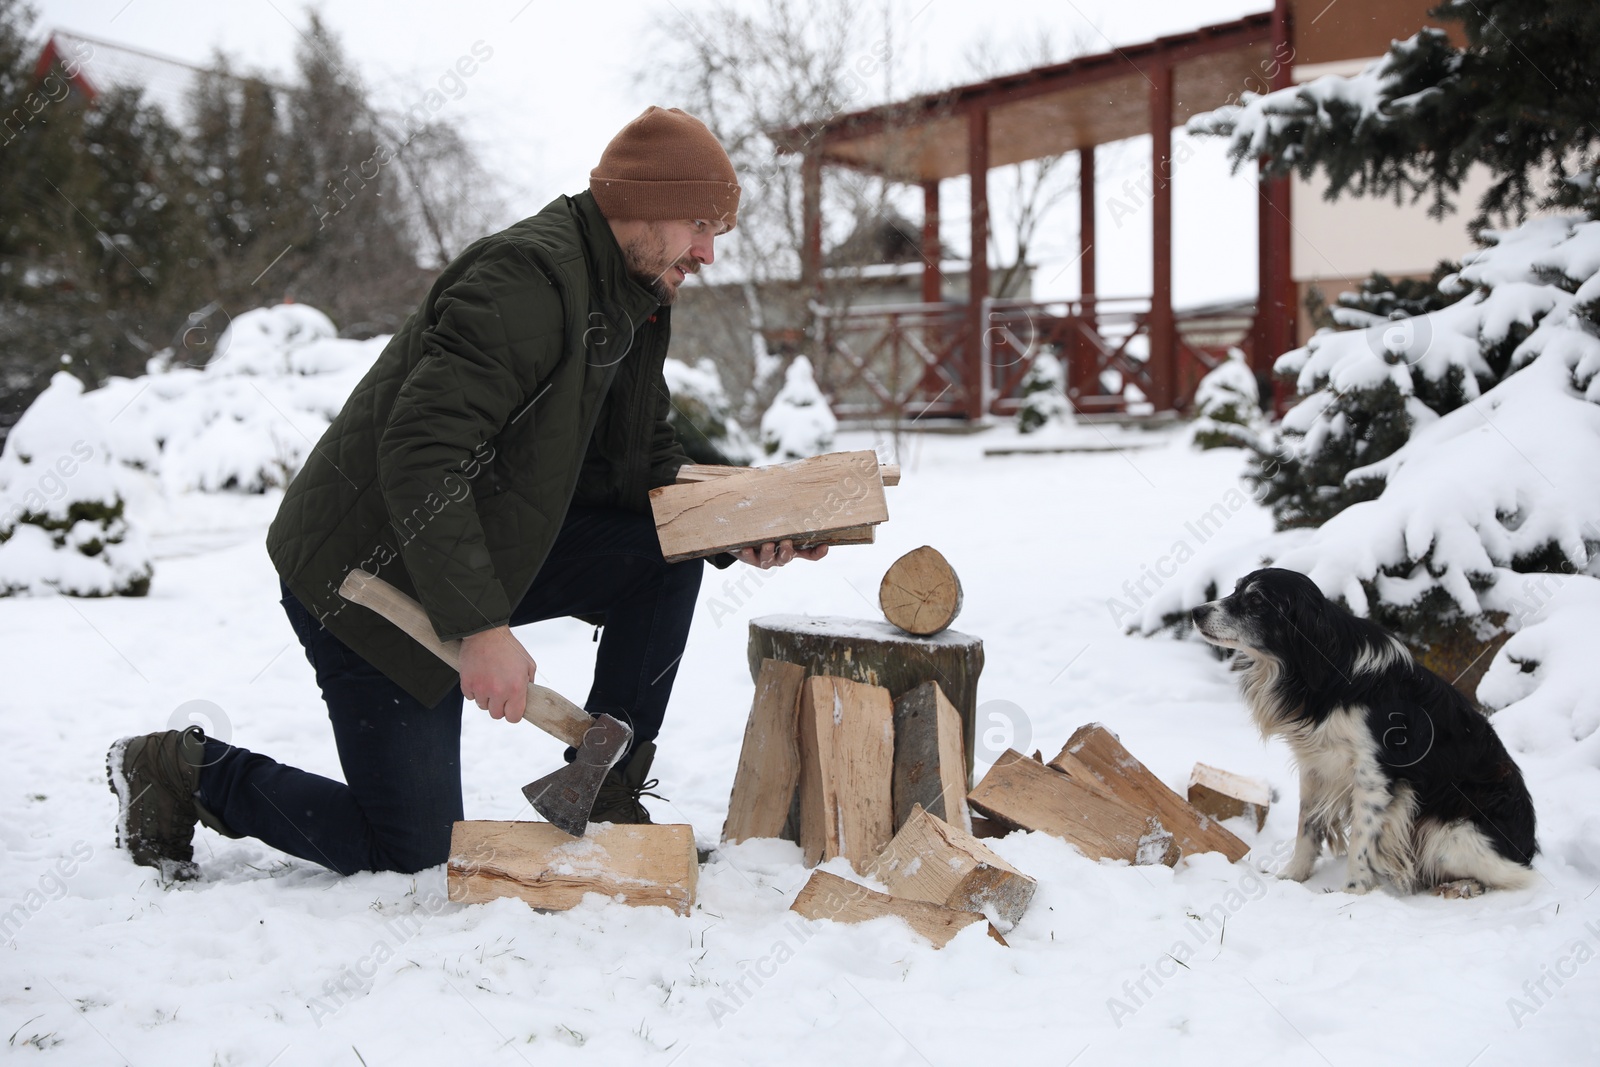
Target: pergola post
x,y
1086,235
1081,370
977,400
811,223
1163,363
932,291
1277,304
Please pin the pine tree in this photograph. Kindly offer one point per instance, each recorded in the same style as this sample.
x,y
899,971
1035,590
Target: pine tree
x,y
358,259
1044,394
799,423
93,237
1227,406
1522,98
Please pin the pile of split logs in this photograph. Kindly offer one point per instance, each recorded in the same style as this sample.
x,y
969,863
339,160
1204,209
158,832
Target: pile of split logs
x,y
859,744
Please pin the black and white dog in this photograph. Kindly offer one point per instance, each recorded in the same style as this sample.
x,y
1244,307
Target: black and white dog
x,y
1394,763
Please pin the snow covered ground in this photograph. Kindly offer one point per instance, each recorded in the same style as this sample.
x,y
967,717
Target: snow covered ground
x,y
270,960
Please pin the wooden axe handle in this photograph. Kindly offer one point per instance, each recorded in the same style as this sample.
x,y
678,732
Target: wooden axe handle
x,y
546,708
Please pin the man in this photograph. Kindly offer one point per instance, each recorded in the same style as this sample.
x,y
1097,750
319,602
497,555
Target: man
x,y
495,464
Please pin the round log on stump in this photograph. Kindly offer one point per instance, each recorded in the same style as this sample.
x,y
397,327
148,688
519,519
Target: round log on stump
x,y
920,592
877,653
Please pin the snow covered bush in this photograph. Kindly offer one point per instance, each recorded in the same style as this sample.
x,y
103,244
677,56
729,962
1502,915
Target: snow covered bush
x,y
246,420
1380,298
1227,406
1547,674
1044,394
799,423
1497,486
62,527
702,417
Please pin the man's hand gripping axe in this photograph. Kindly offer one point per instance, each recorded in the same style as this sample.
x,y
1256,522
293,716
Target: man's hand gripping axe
x,y
565,797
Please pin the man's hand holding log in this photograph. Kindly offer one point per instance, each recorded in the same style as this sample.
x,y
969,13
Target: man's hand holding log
x,y
776,554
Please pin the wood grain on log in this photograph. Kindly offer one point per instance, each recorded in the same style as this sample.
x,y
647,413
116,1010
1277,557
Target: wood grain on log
x,y
933,861
827,896
920,592
930,763
768,775
1032,796
874,652
846,763
888,473
1093,754
804,501
535,862
1223,795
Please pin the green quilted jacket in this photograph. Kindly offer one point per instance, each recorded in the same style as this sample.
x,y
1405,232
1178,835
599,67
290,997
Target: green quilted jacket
x,y
530,377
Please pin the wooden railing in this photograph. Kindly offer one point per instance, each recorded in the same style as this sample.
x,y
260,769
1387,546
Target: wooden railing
x,y
910,361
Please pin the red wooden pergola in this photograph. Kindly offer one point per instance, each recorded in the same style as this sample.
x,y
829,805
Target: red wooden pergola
x,y
1069,107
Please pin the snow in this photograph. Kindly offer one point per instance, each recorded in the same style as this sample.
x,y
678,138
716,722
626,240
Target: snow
x,y
698,389
56,463
849,628
272,960
799,423
246,420
1252,122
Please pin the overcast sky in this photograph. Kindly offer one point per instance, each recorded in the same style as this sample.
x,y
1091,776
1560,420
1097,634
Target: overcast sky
x,y
564,77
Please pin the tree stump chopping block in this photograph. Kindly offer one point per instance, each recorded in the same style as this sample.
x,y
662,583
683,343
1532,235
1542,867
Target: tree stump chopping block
x,y
877,653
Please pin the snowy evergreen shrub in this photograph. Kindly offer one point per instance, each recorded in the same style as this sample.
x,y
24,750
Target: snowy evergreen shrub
x,y
1227,406
246,421
799,423
1044,394
62,527
1380,298
1302,468
1449,526
702,417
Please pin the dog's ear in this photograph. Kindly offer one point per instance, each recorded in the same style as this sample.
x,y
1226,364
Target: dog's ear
x,y
1308,626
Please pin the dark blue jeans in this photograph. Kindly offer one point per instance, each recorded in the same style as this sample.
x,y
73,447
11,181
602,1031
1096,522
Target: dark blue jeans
x,y
402,760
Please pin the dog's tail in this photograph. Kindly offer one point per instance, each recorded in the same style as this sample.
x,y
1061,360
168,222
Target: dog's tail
x,y
1460,849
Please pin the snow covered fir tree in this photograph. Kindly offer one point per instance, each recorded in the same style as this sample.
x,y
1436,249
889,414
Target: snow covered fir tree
x,y
1044,394
1436,470
1227,406
799,423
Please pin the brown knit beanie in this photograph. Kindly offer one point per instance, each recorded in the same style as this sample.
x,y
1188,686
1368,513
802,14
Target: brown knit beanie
x,y
666,165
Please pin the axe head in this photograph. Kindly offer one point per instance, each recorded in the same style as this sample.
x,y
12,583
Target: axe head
x,y
566,797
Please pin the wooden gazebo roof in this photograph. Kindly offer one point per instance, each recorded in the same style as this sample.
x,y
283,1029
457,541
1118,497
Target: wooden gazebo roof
x,y
1045,111
1146,88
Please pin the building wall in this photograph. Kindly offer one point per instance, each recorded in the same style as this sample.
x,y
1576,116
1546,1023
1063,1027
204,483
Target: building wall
x,y
1328,32
1336,245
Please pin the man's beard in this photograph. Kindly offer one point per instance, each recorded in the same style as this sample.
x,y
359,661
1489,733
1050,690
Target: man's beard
x,y
642,259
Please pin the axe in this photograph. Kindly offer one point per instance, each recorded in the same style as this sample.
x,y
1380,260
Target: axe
x,y
566,796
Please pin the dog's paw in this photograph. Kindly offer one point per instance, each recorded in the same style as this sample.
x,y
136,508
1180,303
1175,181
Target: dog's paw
x,y
1359,887
1296,872
1460,889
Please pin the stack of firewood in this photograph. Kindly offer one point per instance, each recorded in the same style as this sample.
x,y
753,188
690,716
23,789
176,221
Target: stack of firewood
x,y
1094,794
881,782
859,745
